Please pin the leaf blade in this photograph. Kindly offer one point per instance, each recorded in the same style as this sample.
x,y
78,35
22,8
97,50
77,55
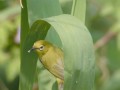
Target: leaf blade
x,y
79,61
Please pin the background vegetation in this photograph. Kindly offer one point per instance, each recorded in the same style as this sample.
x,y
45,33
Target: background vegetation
x,y
102,20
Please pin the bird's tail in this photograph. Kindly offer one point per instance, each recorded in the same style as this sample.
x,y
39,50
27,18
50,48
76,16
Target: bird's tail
x,y
60,84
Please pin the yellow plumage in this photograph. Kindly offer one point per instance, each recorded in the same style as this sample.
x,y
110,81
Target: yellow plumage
x,y
51,57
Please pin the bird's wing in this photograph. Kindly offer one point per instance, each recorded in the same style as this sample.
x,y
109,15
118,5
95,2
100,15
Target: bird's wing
x,y
58,69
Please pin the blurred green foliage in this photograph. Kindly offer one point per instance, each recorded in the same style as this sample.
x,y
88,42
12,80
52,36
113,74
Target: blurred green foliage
x,y
102,16
9,47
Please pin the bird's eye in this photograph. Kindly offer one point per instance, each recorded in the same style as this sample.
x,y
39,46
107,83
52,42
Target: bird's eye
x,y
41,47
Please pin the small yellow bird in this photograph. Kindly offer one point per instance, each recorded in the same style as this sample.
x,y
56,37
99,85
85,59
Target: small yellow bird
x,y
52,59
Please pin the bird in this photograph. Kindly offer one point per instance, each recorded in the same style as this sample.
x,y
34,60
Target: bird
x,y
52,58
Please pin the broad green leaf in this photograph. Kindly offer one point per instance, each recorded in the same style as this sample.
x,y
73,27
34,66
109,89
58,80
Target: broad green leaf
x,y
39,30
42,8
78,49
32,10
79,9
29,60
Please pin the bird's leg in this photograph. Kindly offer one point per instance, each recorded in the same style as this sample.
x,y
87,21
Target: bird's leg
x,y
60,84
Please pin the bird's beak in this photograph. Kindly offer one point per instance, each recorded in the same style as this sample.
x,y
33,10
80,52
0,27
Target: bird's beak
x,y
31,49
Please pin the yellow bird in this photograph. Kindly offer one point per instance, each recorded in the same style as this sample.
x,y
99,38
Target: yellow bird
x,y
52,59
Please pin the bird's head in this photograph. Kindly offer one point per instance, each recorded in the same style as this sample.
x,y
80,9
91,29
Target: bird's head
x,y
41,47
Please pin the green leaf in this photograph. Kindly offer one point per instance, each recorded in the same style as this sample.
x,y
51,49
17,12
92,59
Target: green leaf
x,y
79,9
42,8
32,10
64,31
26,74
78,49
